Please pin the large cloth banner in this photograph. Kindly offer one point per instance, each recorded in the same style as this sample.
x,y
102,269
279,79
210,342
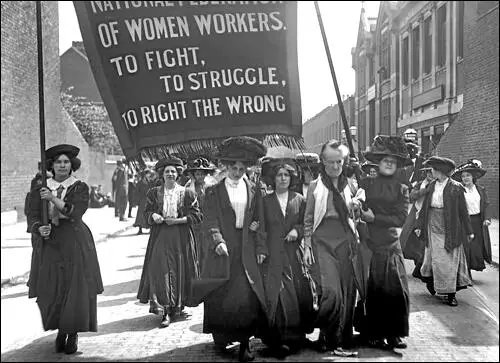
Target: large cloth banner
x,y
178,75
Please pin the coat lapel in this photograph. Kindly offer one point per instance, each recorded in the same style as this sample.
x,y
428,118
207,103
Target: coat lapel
x,y
159,201
226,202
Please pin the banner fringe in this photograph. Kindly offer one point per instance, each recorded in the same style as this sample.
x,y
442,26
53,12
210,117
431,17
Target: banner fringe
x,y
206,148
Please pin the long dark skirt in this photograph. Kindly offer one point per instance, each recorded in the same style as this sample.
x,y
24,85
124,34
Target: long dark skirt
x,y
474,251
285,322
233,311
333,274
168,272
388,297
69,279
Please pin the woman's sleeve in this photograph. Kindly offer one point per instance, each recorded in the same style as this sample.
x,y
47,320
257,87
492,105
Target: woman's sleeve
x,y
486,204
193,212
299,227
211,220
396,219
309,216
35,211
79,203
463,212
150,206
260,234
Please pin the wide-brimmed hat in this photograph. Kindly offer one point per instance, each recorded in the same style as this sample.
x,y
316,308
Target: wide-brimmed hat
x,y
366,166
241,148
269,164
66,149
171,161
473,166
307,161
444,165
199,164
384,145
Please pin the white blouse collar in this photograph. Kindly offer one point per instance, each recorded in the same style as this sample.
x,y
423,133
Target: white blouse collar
x,y
53,184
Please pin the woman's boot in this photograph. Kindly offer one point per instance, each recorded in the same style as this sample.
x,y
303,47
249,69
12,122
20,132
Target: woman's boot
x,y
452,300
61,342
71,343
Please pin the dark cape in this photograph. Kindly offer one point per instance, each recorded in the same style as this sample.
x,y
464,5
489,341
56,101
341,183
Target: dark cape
x,y
288,298
171,261
231,287
65,276
388,297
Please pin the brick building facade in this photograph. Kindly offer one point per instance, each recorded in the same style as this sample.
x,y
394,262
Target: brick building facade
x,y
20,114
327,125
475,133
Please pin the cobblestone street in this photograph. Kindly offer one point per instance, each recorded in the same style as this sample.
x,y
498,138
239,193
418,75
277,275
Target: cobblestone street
x,y
128,332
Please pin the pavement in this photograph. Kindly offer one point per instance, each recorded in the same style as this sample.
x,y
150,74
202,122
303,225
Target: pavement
x,y
16,242
127,332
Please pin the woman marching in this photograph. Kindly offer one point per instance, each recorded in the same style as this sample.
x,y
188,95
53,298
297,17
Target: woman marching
x,y
413,247
200,171
329,233
444,224
387,199
231,286
479,250
171,258
288,302
67,279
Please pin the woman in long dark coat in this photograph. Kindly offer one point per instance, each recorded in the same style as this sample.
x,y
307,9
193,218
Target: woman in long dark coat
x,y
65,278
141,190
289,302
413,248
232,288
171,260
479,249
387,199
444,224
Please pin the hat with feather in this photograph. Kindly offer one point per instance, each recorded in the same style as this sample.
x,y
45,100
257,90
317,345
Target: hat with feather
x,y
201,164
384,145
473,166
241,148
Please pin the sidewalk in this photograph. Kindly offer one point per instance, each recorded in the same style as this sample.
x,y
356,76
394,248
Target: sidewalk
x,y
16,242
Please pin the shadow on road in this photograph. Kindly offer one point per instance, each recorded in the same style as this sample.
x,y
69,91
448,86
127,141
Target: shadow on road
x,y
137,267
121,288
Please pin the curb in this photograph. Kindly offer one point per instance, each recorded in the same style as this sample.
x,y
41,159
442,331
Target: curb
x,y
23,278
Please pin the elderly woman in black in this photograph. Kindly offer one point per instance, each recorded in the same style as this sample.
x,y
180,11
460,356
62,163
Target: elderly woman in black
x,y
171,258
444,224
479,250
231,286
66,278
289,305
388,298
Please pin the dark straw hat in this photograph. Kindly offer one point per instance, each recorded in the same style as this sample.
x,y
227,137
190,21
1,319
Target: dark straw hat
x,y
269,164
444,165
199,164
241,148
69,150
473,166
171,161
394,146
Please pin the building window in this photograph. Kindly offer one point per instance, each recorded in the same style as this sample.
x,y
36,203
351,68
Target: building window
x,y
428,45
385,56
415,52
426,140
406,61
460,29
362,130
441,36
385,119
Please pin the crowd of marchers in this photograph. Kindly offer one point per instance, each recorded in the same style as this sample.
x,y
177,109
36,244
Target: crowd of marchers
x,y
273,252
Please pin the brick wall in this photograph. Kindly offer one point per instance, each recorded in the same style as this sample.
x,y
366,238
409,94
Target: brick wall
x,y
20,116
475,132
